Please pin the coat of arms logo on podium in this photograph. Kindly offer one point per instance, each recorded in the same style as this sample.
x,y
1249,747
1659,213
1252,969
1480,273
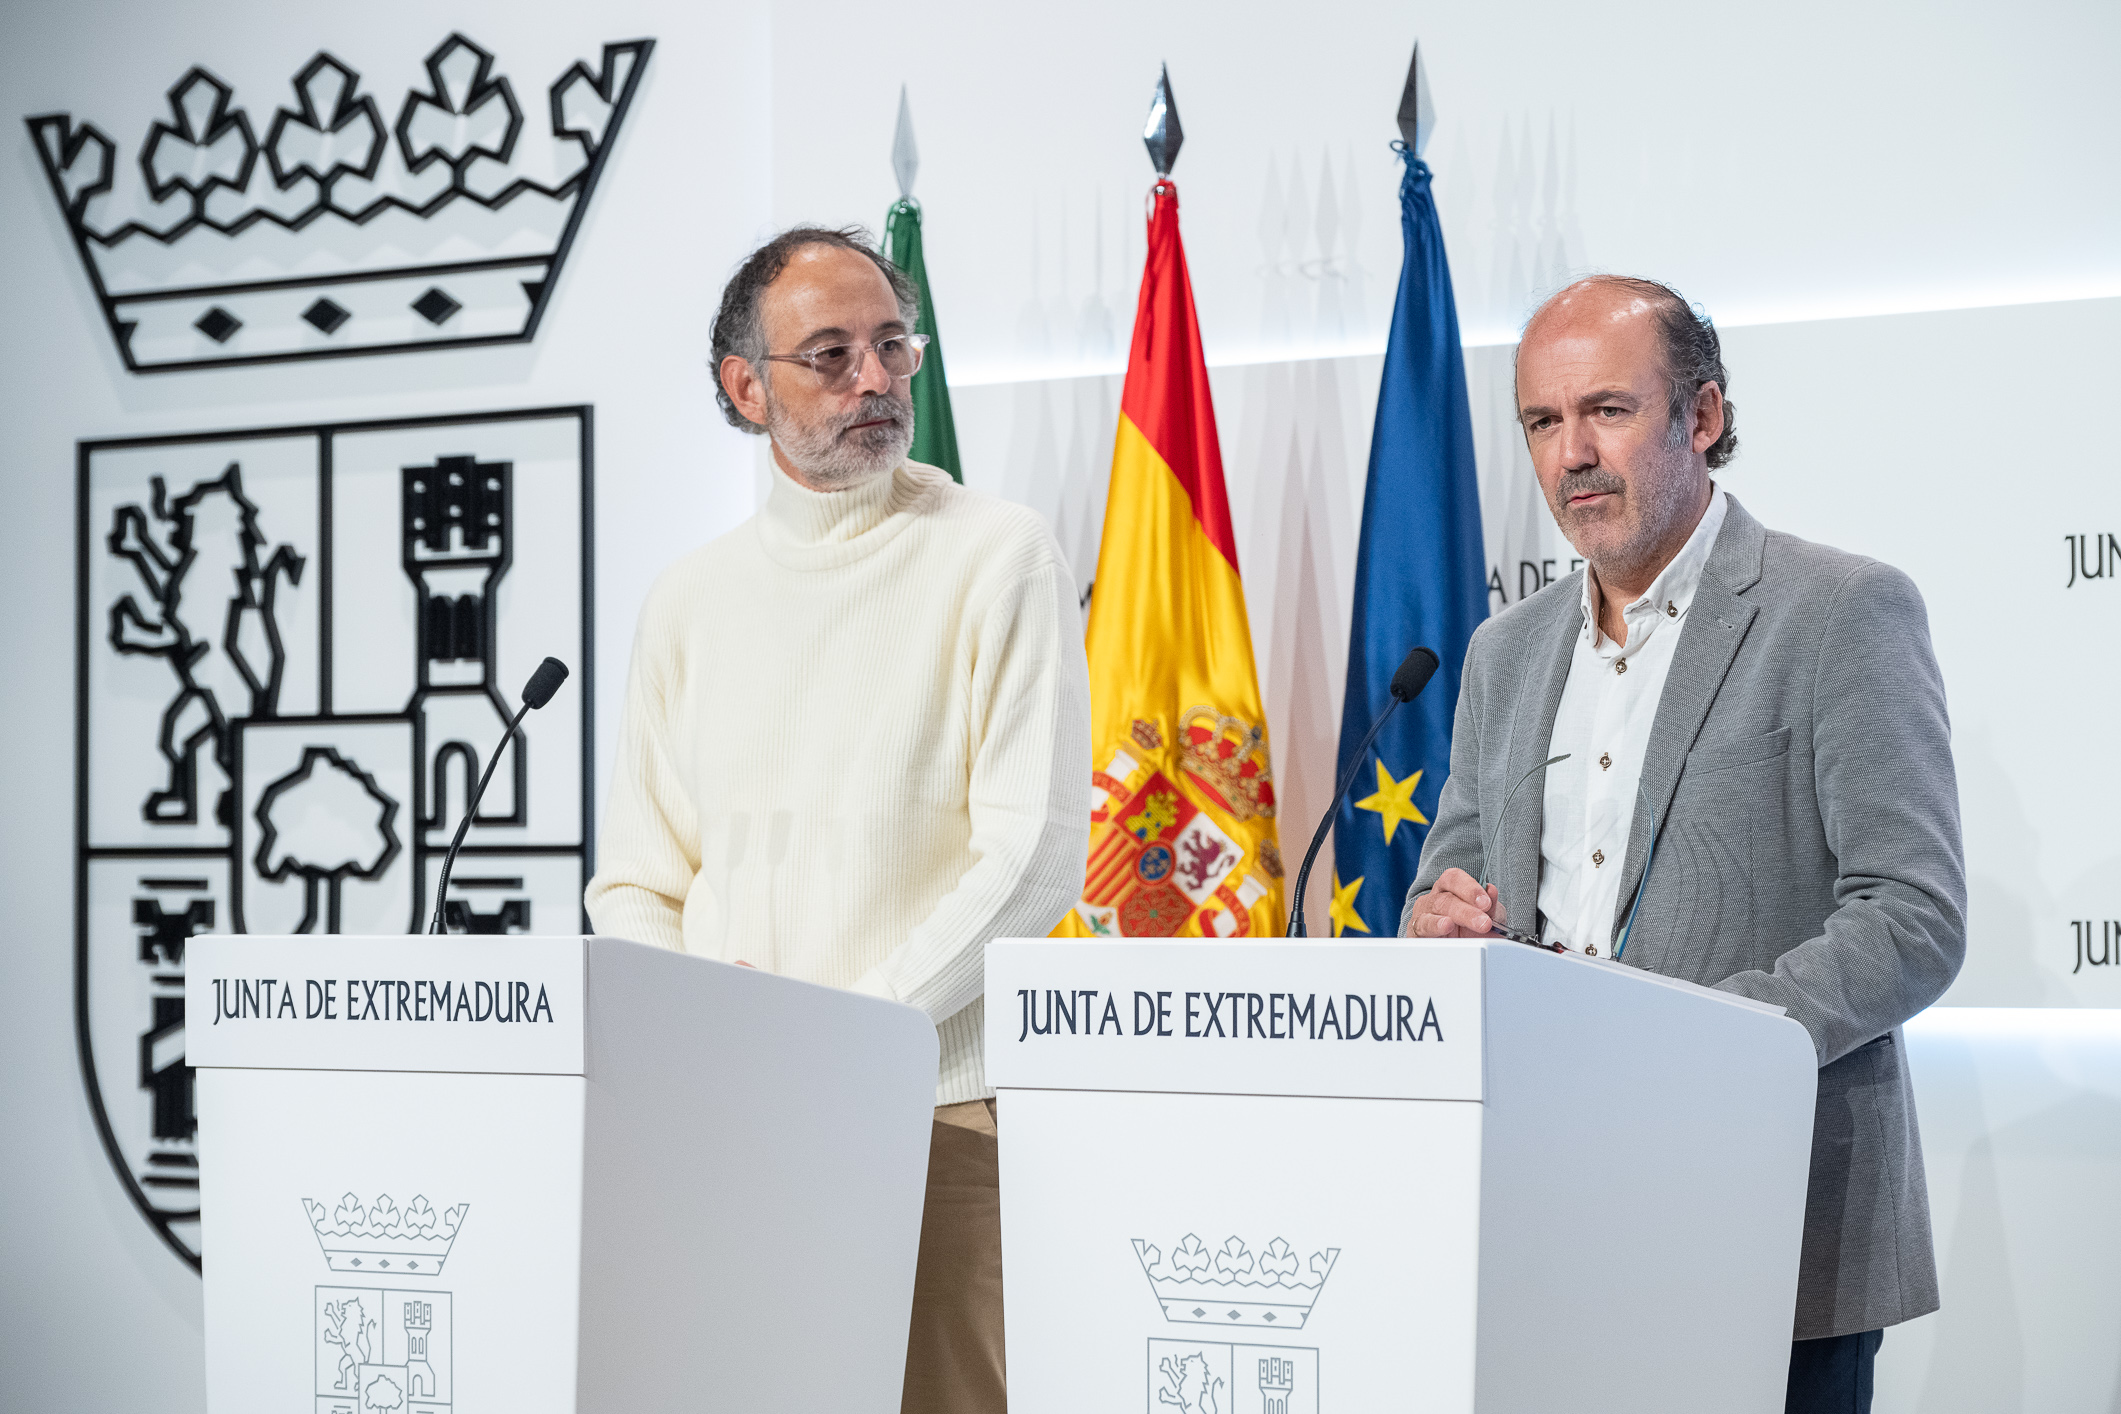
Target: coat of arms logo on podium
x,y
380,1351
298,647
1232,1286
439,217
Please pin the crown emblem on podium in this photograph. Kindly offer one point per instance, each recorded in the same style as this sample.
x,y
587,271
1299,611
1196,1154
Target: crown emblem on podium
x,y
384,1237
1229,757
1232,1286
342,231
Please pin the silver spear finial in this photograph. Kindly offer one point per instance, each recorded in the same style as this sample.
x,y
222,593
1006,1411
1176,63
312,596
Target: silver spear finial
x,y
1417,109
905,154
1162,134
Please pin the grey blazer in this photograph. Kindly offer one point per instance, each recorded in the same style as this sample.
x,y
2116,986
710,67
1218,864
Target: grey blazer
x,y
1800,766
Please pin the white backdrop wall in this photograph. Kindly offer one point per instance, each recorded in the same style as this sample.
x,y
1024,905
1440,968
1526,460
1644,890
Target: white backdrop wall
x,y
2021,1124
1788,164
1779,162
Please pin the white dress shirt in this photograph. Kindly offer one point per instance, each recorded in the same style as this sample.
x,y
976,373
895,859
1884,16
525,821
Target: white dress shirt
x,y
1604,723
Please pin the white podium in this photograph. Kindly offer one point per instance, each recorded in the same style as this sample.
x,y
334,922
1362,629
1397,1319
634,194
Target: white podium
x,y
460,1175
1284,1178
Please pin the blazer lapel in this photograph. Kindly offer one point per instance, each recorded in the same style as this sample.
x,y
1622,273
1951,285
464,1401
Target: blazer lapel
x,y
1516,869
1715,625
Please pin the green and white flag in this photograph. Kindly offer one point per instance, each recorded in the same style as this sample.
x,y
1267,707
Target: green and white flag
x,y
934,430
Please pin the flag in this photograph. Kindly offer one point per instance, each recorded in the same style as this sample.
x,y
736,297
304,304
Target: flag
x,y
934,429
1419,579
1182,839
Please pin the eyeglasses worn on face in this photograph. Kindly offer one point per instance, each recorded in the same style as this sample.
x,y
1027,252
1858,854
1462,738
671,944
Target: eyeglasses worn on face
x,y
838,365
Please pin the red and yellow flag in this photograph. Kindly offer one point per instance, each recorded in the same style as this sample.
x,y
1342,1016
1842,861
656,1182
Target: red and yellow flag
x,y
1182,838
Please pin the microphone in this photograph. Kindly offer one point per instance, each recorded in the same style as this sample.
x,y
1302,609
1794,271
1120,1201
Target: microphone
x,y
536,693
543,683
1413,675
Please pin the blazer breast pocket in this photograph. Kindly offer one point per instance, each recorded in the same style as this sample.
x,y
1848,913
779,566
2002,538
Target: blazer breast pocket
x,y
1725,754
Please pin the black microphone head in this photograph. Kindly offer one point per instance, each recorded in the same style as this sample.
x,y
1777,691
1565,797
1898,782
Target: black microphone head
x,y
552,672
1413,675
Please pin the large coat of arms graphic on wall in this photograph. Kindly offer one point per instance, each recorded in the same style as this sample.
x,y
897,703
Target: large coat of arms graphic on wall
x,y
298,648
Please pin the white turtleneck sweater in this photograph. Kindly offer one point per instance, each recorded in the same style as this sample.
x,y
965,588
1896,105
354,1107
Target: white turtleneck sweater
x,y
856,746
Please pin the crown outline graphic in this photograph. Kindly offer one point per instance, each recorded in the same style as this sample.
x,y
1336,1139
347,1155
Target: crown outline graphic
x,y
382,1237
348,239
1232,1286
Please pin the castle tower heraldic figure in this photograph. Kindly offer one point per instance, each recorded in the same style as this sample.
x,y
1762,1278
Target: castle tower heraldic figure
x,y
458,528
172,1163
419,1375
213,590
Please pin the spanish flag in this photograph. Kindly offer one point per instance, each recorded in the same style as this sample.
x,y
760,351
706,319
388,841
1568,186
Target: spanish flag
x,y
1182,838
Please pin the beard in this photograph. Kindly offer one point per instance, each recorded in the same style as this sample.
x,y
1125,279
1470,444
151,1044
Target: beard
x,y
1619,541
832,452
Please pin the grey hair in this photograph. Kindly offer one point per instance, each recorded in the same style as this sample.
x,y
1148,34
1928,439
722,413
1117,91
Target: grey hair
x,y
738,327
1690,349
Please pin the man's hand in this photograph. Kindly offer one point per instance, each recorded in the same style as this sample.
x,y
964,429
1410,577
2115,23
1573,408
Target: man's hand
x,y
1458,907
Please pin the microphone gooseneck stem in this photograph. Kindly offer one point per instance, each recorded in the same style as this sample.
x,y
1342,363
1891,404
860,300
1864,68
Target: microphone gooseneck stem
x,y
1297,927
449,860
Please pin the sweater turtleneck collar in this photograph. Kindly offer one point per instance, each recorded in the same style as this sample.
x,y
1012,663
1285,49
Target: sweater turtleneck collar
x,y
805,529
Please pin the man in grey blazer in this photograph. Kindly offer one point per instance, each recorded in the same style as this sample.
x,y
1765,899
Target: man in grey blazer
x,y
1770,710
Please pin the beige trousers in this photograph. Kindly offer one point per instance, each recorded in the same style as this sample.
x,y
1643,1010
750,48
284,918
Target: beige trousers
x,y
954,1349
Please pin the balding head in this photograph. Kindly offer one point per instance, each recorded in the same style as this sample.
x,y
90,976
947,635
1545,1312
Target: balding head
x,y
1689,350
1620,393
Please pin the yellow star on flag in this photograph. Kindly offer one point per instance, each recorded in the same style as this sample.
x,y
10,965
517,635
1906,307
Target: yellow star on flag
x,y
1394,800
1343,908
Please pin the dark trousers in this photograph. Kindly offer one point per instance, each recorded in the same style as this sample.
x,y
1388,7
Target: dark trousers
x,y
1833,1376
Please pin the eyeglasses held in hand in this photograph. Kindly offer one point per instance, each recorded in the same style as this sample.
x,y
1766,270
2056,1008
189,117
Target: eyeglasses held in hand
x,y
1487,855
838,365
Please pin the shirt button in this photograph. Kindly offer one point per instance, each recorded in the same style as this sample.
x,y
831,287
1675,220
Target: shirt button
x,y
1605,761
1671,608
1620,665
1597,858
1590,950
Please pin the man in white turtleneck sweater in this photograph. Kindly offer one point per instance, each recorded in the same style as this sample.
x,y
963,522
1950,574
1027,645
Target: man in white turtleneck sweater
x,y
856,743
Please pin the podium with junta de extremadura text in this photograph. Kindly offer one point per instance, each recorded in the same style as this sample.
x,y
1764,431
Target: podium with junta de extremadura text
x,y
443,1175
1270,1177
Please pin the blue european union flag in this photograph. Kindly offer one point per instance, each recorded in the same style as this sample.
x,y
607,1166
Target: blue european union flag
x,y
1418,580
